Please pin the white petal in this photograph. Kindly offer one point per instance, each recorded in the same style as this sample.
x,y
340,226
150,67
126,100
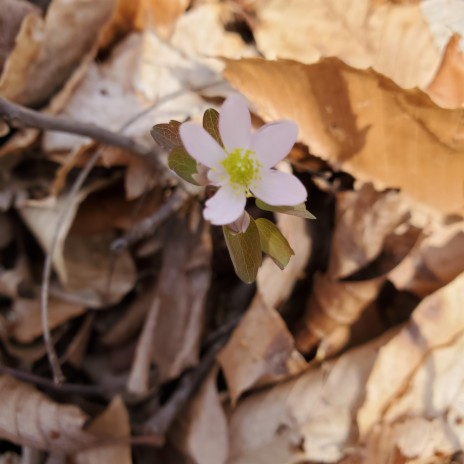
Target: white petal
x,y
200,144
279,189
217,176
235,123
226,206
273,141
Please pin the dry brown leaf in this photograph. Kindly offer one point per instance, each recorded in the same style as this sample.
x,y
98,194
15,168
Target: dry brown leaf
x,y
417,373
363,220
394,39
201,431
187,269
112,423
363,123
30,418
162,14
138,382
11,16
48,50
434,261
333,304
84,263
310,417
27,314
261,350
446,89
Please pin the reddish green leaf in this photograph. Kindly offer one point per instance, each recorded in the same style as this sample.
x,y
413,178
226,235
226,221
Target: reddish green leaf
x,y
183,164
245,251
167,135
211,124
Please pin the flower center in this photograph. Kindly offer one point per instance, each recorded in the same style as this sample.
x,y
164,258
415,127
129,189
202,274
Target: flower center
x,y
242,167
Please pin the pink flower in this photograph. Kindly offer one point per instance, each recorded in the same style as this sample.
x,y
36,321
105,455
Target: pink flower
x,y
243,167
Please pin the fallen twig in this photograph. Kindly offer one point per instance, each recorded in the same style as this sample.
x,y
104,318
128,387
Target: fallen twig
x,y
20,117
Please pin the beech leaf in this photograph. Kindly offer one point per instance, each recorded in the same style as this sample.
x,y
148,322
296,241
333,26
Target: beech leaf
x,y
296,210
273,243
245,251
183,164
211,124
167,135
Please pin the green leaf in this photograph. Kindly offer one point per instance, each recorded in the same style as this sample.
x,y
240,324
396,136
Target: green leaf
x,y
245,251
296,210
167,135
211,124
183,164
273,243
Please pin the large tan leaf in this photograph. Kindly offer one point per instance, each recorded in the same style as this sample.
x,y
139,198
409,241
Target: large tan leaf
x,y
48,50
308,418
414,393
29,417
261,350
363,123
394,39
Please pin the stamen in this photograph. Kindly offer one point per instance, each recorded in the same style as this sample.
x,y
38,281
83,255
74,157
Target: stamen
x,y
243,168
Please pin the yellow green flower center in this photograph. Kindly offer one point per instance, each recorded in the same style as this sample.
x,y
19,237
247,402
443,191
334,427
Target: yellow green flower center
x,y
243,168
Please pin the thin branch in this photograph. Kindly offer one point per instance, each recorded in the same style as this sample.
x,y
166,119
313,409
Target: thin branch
x,y
148,225
47,269
20,117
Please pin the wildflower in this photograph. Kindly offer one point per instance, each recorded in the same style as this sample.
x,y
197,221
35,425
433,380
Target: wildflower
x,y
243,167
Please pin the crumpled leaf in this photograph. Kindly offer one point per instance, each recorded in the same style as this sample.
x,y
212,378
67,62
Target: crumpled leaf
x,y
203,418
414,389
186,267
305,418
436,259
48,50
112,423
30,418
392,38
273,242
363,220
245,251
84,263
340,118
261,350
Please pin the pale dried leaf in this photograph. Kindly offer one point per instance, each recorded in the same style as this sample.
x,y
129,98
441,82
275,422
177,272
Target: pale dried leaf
x,y
446,89
186,268
29,417
48,50
27,314
84,263
113,423
394,39
363,123
138,381
436,323
434,261
363,219
260,350
201,431
305,418
274,284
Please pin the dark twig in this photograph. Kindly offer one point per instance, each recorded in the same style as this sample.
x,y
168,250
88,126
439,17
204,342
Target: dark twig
x,y
20,117
162,420
47,269
148,225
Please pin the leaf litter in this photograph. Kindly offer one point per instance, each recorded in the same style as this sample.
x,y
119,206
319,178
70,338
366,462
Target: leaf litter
x,y
351,353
